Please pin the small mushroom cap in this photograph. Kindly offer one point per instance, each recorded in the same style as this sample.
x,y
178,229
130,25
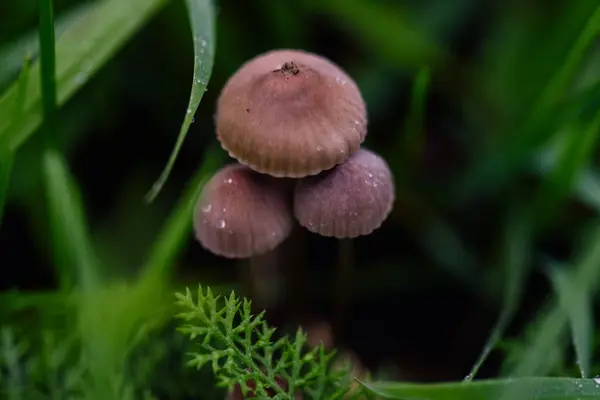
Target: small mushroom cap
x,y
350,200
241,213
290,113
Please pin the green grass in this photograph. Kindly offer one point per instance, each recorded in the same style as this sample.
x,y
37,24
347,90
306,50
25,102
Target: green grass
x,y
203,33
531,388
98,334
80,51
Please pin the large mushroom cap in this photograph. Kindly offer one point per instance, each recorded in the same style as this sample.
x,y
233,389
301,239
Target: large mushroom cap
x,y
352,199
290,113
241,213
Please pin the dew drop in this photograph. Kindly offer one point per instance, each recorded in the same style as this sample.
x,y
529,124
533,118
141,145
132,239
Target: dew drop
x,y
319,148
224,209
228,181
340,81
207,208
597,379
221,224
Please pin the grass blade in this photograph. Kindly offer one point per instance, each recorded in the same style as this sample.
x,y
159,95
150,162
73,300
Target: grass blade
x,y
575,154
413,137
72,250
178,226
12,54
517,257
588,188
47,68
546,337
82,49
533,388
7,157
577,305
510,155
202,16
563,76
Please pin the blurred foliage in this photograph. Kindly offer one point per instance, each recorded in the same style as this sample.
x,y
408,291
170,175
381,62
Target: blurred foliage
x,y
488,114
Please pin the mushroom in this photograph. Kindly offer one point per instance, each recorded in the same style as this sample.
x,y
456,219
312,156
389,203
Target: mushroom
x,y
350,200
290,113
241,213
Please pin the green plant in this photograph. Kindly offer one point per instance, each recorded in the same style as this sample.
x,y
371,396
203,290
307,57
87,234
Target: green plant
x,y
242,350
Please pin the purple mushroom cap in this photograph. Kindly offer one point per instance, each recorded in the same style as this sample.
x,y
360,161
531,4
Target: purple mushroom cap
x,y
289,113
241,213
350,200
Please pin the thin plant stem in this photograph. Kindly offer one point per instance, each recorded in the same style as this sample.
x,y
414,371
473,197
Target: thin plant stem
x,y
263,280
48,69
297,280
343,282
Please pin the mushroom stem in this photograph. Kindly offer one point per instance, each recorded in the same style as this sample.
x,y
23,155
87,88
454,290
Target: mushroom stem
x,y
297,282
262,280
345,269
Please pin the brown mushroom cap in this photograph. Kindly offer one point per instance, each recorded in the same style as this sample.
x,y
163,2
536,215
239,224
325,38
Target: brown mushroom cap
x,y
289,113
352,199
241,213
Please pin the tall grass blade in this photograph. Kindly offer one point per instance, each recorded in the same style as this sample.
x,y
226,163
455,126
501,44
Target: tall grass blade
x,y
577,305
7,157
564,75
578,144
71,246
174,234
114,318
588,188
12,54
202,20
516,265
81,50
546,338
414,134
532,388
511,154
47,68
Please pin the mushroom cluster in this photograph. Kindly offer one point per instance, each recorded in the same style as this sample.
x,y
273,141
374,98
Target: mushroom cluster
x,y
294,122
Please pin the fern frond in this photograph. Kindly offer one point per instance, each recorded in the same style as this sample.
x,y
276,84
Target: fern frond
x,y
242,351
